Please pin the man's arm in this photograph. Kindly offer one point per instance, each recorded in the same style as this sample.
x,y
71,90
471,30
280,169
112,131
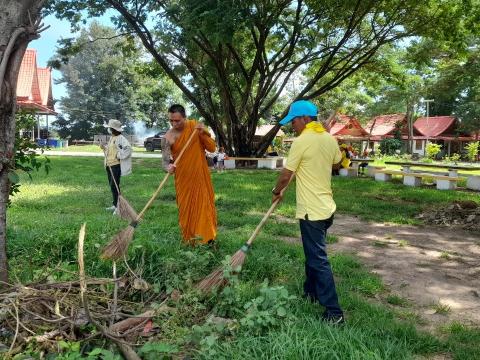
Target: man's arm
x,y
282,182
166,154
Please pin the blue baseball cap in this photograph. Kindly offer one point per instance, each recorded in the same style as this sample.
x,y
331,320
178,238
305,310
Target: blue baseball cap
x,y
300,108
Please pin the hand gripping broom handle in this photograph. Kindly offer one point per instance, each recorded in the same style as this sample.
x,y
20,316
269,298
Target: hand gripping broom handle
x,y
247,245
139,216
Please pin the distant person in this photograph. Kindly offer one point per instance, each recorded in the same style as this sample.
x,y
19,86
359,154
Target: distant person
x,y
118,159
363,165
345,156
221,159
313,154
195,198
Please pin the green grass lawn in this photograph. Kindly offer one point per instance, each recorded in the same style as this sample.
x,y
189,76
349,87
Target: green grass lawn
x,y
270,320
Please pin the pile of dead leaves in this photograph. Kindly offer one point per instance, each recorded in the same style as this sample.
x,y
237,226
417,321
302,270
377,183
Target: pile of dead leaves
x,y
461,214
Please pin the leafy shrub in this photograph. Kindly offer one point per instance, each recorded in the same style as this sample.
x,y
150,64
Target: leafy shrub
x,y
268,309
472,150
454,158
432,150
26,157
390,146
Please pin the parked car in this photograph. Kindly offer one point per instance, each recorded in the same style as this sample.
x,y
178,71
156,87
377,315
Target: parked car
x,y
154,142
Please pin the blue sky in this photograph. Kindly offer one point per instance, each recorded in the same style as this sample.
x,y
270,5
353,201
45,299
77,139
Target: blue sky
x,y
46,46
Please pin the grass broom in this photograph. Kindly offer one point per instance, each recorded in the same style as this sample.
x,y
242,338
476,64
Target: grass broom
x,y
118,246
124,209
215,279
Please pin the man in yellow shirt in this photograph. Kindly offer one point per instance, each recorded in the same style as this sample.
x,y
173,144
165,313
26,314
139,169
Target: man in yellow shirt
x,y
311,158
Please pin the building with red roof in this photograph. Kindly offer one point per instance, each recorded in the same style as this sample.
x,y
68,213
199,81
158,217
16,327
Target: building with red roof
x,y
34,88
441,130
346,128
385,126
34,85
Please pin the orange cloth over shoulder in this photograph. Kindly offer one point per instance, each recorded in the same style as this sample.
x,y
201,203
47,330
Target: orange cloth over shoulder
x,y
195,198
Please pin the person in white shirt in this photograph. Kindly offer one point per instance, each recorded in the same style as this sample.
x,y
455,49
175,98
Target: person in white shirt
x,y
221,159
118,159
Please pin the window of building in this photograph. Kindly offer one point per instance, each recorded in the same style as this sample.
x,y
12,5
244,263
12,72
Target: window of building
x,y
418,144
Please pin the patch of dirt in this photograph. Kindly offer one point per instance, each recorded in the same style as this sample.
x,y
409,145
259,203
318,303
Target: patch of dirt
x,y
436,268
461,214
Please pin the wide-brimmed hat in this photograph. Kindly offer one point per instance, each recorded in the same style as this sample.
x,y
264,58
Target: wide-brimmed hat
x,y
114,124
300,108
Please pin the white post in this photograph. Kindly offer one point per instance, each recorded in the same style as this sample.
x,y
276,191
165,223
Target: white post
x,y
428,113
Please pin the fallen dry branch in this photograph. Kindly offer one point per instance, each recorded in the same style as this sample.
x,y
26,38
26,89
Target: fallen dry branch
x,y
132,322
126,350
45,313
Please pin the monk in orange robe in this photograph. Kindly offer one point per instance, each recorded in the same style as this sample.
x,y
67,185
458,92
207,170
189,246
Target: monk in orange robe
x,y
195,199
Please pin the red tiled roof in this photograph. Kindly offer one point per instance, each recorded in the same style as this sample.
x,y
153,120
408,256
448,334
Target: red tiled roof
x,y
45,84
34,84
435,125
26,74
342,124
385,124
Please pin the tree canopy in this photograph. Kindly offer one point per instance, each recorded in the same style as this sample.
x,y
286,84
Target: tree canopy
x,y
108,76
233,59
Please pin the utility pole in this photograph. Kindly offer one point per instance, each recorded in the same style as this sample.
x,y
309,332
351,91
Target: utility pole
x,y
428,113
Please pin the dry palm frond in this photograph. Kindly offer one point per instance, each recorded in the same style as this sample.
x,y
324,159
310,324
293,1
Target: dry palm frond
x,y
125,210
118,246
216,279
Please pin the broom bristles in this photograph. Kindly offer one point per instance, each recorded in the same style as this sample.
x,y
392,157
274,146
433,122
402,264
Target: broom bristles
x,y
216,279
125,210
118,246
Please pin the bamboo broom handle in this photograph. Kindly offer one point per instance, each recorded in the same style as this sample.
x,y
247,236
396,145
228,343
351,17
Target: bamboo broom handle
x,y
149,203
267,215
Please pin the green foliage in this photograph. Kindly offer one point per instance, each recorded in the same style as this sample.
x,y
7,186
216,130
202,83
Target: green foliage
x,y
454,158
26,157
107,76
432,150
268,309
71,351
234,59
390,146
472,150
154,351
397,300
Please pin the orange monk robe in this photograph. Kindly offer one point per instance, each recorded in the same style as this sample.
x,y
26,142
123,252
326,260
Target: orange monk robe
x,y
195,199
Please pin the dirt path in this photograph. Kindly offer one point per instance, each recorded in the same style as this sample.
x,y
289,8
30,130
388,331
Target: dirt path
x,y
436,268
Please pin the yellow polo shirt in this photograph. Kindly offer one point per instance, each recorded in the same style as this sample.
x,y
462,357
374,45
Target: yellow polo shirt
x,y
311,158
112,152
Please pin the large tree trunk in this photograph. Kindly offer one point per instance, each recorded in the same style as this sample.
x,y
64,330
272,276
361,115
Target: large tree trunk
x,y
18,26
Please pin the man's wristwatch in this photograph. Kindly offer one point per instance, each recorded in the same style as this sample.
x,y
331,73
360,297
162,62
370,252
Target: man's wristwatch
x,y
275,192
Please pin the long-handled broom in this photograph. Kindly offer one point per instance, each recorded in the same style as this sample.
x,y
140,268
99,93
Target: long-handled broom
x,y
216,279
124,209
119,244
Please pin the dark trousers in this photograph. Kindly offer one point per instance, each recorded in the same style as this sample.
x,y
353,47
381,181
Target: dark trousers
x,y
116,175
319,284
